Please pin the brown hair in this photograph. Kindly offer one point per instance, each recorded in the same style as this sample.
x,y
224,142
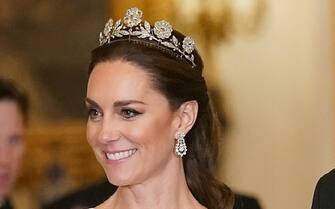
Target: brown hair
x,y
9,91
175,78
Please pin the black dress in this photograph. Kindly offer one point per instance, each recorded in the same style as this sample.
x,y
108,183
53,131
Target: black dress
x,y
324,194
98,193
84,198
246,202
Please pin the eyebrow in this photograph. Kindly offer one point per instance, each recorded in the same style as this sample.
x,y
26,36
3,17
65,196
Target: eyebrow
x,y
91,102
127,102
117,103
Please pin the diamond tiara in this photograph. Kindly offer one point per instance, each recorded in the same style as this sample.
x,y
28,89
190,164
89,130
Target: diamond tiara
x,y
161,32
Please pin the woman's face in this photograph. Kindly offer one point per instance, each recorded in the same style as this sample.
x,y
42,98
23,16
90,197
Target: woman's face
x,y
131,127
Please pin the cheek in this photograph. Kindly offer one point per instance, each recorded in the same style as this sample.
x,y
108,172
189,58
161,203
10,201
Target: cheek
x,y
152,133
17,155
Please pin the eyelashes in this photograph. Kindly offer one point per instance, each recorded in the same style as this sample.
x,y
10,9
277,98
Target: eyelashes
x,y
128,113
94,114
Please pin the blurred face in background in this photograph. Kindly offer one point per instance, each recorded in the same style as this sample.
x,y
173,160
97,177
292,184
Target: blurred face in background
x,y
11,144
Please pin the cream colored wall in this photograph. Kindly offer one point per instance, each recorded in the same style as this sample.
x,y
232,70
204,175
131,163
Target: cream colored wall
x,y
279,88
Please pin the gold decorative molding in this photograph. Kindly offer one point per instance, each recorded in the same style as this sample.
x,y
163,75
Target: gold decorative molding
x,y
152,10
208,21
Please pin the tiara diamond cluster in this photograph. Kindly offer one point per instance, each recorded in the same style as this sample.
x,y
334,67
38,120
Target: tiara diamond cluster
x,y
161,32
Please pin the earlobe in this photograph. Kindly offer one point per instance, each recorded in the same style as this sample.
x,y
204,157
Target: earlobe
x,y
187,113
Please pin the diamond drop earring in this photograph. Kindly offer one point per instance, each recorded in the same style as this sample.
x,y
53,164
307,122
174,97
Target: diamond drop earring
x,y
180,147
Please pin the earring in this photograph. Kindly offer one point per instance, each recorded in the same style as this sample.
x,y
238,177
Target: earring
x,y
180,147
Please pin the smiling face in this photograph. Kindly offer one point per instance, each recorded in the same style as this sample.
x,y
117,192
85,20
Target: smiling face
x,y
11,144
131,127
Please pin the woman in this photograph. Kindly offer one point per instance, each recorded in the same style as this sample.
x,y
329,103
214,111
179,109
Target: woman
x,y
151,125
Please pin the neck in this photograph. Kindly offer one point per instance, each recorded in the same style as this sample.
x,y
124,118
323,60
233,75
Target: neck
x,y
166,190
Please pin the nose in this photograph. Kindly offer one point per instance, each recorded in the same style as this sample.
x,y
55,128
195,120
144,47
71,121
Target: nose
x,y
110,131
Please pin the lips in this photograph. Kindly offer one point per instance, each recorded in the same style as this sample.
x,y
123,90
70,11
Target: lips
x,y
120,155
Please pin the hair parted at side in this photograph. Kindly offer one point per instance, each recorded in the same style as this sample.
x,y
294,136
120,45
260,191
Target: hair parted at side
x,y
179,82
9,91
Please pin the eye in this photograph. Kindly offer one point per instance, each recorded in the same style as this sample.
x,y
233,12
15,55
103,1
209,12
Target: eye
x,y
15,140
94,114
128,113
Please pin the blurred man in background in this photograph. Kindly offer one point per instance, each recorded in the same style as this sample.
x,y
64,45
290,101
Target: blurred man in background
x,y
13,119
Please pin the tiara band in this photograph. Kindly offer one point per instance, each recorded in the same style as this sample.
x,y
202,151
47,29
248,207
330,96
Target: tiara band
x,y
161,32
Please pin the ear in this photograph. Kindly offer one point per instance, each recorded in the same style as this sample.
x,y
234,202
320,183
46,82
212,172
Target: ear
x,y
187,115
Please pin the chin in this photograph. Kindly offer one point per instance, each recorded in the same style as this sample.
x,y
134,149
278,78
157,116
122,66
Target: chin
x,y
119,180
120,177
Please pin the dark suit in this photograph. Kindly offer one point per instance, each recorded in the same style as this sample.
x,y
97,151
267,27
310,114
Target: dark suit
x,y
6,205
324,194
